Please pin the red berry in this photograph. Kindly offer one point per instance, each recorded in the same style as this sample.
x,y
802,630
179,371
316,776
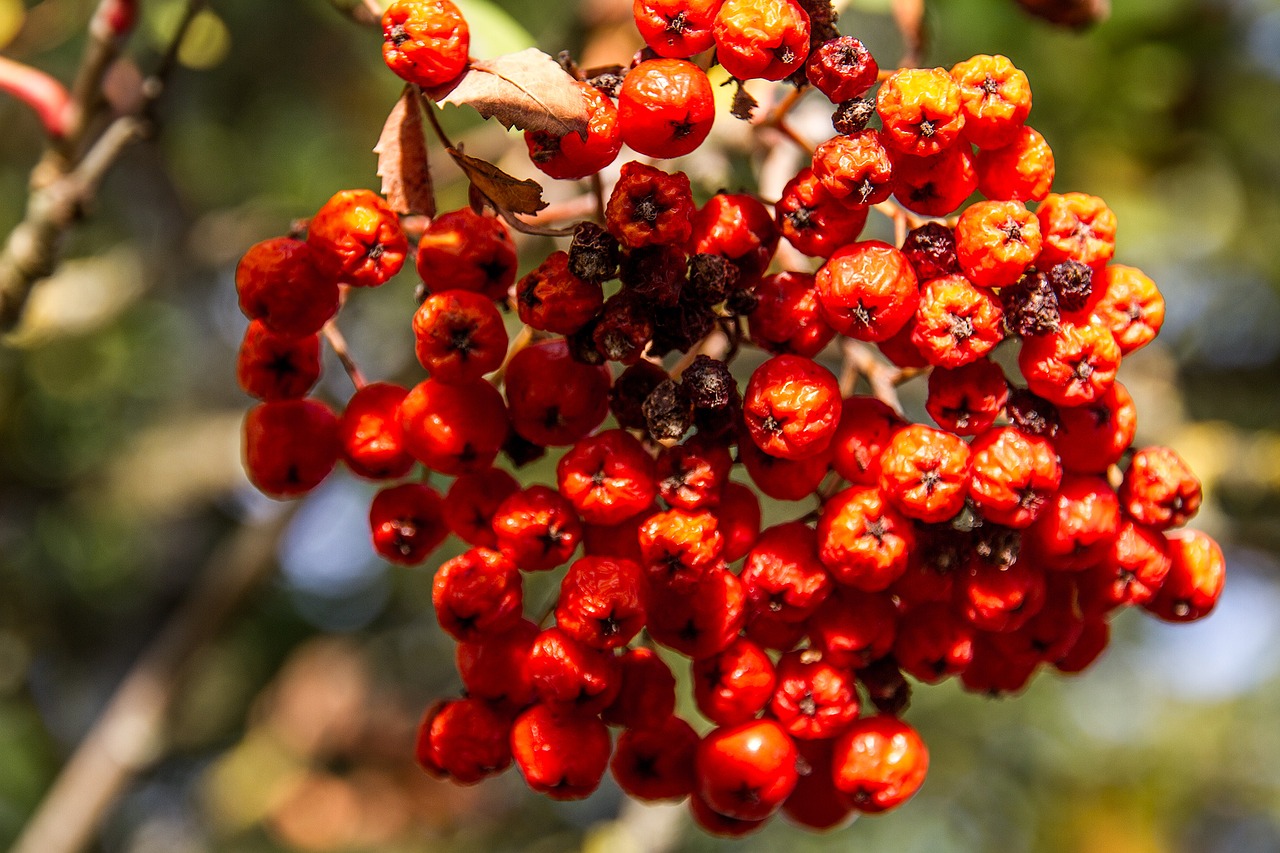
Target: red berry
x,y
996,241
496,668
608,477
862,540
788,317
464,740
701,621
932,642
921,110
455,428
471,502
1077,524
866,425
679,547
739,514
290,446
1130,306
477,595
936,185
665,108
791,407
571,157
745,772
812,220
783,575
739,228
537,528
768,39
1194,584
272,366
968,399
1013,476
676,28
842,69
554,399
1093,436
853,628
407,522
657,764
814,699
462,250
995,98
868,290
570,675
425,41
647,696
600,602
1073,366
956,322
1076,227
733,686
459,336
855,169
925,473
553,299
1022,170
1159,489
560,754
880,762
355,238
278,283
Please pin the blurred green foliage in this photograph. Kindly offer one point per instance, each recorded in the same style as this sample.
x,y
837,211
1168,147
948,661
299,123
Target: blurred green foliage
x,y
119,461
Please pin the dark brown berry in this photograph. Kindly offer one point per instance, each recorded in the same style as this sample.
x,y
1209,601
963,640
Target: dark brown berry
x,y
931,249
593,255
1072,281
667,412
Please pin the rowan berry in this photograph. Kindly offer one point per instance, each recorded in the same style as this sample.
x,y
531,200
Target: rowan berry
x,y
852,629
940,552
1013,475
593,253
924,472
355,238
932,642
935,185
994,596
853,115
571,157
471,501
290,446
1077,525
812,220
733,686
425,41
459,336
863,540
676,28
1194,584
1130,306
1073,366
956,323
887,688
570,675
1093,436
993,673
1159,489
700,620
815,803
555,400
620,540
868,290
647,696
277,283
842,69
1076,227
608,477
600,602
921,110
657,764
866,425
693,475
783,575
814,700
477,595
968,399
746,771
453,428
560,754
464,740
880,762
537,528
679,547
739,525
995,97
668,412
714,823
1095,634
272,366
665,109
791,407
631,389
996,241
766,39
1130,572
462,250
931,251
1032,413
769,632
788,317
1023,170
407,523
1072,284
496,668
1053,631
855,169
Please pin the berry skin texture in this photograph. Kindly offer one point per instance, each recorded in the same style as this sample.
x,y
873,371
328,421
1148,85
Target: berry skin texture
x,y
678,547
788,317
464,740
1093,436
471,502
1131,306
868,290
812,220
407,523
842,69
496,669
792,407
608,477
647,696
1022,170
967,400
921,111
862,540
1077,525
855,169
701,621
277,283
739,513
554,399
767,39
956,322
739,228
1076,227
936,185
600,602
650,207
1194,584
745,772
356,239
866,425
425,41
925,473
656,764
1159,489
676,29
1013,476
569,675
1071,367
783,575
373,444
996,241
995,97
553,299
466,251
270,366
733,686
814,700
459,336
477,595
290,446
562,755
880,762
454,428
1131,573
665,108
537,528
570,157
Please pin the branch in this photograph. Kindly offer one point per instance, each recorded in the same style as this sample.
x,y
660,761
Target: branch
x,y
44,94
122,741
66,180
909,16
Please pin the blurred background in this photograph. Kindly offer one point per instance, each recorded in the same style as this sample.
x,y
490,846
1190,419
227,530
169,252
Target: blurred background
x,y
121,491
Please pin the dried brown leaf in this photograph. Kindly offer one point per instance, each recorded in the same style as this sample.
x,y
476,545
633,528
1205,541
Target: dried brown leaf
x,y
526,90
507,192
402,159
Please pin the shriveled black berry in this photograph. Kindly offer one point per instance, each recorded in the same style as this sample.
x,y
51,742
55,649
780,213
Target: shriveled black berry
x,y
1030,306
668,414
709,384
997,545
593,254
632,387
1072,282
742,301
1032,413
931,250
679,328
608,80
852,116
886,686
582,344
711,278
625,327
655,273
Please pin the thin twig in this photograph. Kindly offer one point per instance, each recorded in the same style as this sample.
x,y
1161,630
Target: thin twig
x,y
530,228
123,740
883,377
338,343
597,191
908,15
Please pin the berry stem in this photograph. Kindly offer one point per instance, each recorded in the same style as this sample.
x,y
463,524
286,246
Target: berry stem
x,y
334,336
909,17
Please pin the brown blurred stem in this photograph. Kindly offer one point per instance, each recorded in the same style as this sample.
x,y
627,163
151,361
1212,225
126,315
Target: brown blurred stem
x,y
124,739
66,179
909,17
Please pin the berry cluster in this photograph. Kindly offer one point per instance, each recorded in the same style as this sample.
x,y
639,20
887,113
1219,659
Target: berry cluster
x,y
1000,539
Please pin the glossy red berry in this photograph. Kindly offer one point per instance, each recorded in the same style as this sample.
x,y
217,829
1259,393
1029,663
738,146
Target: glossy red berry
x,y
1159,489
995,97
665,108
407,522
783,575
600,602
739,514
464,740
554,399
560,754
647,696
812,220
866,425
921,110
701,620
553,299
814,700
425,41
496,668
477,595
842,69
868,290
1022,170
746,771
1130,306
278,283
863,540
880,762
1073,366
356,239
925,472
676,28
271,366
693,475
852,629
996,241
1077,524
788,317
968,399
733,686
855,169
608,477
290,446
768,39
459,336
791,407
679,547
1013,476
537,528
570,157
462,250
471,502
570,675
738,228
1194,584
454,428
658,763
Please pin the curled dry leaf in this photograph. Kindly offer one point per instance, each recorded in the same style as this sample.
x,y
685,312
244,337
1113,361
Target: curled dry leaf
x,y
506,191
527,90
402,159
